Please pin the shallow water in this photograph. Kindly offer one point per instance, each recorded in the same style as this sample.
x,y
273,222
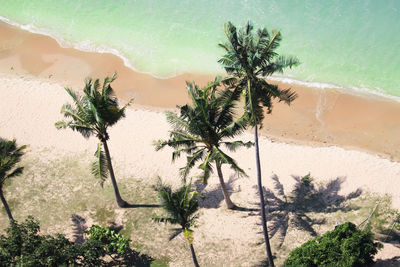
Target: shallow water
x,y
352,44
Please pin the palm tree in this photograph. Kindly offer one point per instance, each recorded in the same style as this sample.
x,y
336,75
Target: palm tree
x,y
10,155
92,114
202,129
249,58
181,207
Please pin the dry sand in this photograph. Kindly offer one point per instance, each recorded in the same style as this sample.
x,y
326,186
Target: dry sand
x,y
29,107
31,94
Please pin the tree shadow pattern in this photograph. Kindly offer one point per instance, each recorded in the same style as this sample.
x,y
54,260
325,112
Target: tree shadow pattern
x,y
79,227
392,262
132,258
291,209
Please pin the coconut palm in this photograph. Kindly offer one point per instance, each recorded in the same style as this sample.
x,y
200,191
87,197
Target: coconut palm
x,y
10,155
180,207
92,114
250,57
201,130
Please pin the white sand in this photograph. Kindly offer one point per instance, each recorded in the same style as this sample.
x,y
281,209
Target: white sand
x,y
29,108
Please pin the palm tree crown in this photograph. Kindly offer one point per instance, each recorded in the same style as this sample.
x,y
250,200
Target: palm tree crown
x,y
10,156
92,114
181,208
200,130
249,58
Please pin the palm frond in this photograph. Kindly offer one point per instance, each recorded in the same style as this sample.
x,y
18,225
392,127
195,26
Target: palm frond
x,y
99,166
76,98
188,150
234,145
177,123
164,219
107,91
16,172
234,128
223,158
190,162
180,206
95,110
249,55
10,156
206,167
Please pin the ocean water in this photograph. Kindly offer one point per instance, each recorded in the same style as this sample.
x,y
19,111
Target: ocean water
x,y
352,44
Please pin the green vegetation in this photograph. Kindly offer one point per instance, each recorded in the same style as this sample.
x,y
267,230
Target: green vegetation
x,y
181,207
345,246
249,58
10,156
202,129
23,246
92,114
113,242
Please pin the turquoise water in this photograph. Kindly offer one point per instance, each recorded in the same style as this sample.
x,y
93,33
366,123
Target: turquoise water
x,y
353,44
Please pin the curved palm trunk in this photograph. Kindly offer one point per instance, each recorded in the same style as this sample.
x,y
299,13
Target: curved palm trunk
x,y
10,217
262,203
228,201
194,256
120,202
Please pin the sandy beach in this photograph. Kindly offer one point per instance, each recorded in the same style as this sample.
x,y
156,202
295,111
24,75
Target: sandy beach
x,y
349,138
321,116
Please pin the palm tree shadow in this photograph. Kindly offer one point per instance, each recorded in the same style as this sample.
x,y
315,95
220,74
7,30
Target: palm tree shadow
x,y
132,258
212,199
133,206
79,227
291,209
395,261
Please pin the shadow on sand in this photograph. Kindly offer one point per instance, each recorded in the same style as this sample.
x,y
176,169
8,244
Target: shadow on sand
x,y
292,209
393,262
133,206
284,209
213,199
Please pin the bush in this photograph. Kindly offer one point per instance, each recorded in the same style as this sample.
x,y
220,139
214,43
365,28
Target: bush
x,y
113,242
23,246
345,246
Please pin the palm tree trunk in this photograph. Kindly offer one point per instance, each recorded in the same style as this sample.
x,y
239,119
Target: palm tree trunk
x,y
262,203
120,202
194,256
228,201
10,217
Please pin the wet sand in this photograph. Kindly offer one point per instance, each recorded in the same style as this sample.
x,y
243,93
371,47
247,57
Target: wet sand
x,y
319,117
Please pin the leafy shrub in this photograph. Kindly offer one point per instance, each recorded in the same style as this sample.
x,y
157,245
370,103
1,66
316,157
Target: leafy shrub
x,y
23,246
345,246
113,242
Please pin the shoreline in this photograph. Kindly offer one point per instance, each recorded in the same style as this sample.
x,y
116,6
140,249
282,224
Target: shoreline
x,y
318,117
